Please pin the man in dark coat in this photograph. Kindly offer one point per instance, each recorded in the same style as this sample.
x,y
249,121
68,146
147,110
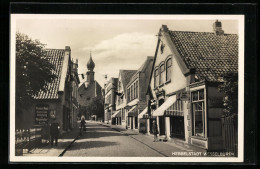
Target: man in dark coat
x,y
54,132
155,131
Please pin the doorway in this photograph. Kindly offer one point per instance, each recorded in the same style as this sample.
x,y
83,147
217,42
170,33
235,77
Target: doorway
x,y
177,127
162,125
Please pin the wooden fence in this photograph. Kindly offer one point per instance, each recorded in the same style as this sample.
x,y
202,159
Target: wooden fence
x,y
229,133
27,139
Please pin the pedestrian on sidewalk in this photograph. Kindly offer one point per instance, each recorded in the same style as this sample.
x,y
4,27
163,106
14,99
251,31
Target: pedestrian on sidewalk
x,y
54,131
82,124
155,131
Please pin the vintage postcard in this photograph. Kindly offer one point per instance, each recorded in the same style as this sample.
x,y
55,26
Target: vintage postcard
x,y
126,88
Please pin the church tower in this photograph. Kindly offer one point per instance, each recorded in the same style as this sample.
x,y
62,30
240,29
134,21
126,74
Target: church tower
x,y
90,72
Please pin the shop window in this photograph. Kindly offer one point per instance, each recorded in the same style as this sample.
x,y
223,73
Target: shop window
x,y
162,74
168,69
198,113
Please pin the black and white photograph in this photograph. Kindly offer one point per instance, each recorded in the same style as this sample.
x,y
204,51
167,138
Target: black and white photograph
x,y
126,88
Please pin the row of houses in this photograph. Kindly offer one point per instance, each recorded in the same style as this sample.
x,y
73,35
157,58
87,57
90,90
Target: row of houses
x,y
60,101
177,87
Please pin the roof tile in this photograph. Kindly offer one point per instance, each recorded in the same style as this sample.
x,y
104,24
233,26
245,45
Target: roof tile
x,y
211,55
56,57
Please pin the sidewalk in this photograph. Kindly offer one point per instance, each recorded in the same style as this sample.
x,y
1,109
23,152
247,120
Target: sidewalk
x,y
64,141
165,148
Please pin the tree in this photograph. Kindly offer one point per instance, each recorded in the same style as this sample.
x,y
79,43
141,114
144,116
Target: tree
x,y
230,89
96,107
33,70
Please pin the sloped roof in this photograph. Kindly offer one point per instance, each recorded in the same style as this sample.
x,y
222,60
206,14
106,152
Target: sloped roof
x,y
211,55
144,65
56,57
126,76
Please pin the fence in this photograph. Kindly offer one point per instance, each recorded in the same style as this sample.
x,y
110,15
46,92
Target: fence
x,y
27,139
229,133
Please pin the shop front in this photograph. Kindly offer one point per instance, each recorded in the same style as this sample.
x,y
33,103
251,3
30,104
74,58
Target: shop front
x,y
116,118
133,118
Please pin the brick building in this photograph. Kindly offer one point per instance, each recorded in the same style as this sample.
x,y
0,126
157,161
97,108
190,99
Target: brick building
x,y
56,102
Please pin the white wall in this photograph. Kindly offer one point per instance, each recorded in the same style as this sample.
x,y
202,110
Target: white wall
x,y
178,80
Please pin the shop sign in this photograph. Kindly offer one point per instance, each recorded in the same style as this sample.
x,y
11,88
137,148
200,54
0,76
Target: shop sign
x,y
184,95
41,114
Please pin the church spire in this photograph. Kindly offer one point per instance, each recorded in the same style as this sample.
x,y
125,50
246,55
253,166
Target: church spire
x,y
90,64
90,72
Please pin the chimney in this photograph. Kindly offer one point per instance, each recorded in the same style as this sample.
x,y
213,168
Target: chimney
x,y
217,28
67,48
165,28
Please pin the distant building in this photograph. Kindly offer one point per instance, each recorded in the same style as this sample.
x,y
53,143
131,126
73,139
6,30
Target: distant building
x,y
123,80
187,69
110,100
74,78
136,93
57,102
89,92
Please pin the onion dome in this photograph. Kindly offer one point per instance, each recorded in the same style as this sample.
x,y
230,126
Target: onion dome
x,y
90,64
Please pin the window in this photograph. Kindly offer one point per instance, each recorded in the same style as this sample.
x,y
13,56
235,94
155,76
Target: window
x,y
156,79
128,94
168,69
162,74
198,113
123,114
136,96
134,90
119,86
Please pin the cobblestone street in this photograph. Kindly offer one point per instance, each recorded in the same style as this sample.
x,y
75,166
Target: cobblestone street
x,y
100,140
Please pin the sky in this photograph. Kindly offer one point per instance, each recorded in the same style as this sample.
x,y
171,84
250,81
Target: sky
x,y
115,42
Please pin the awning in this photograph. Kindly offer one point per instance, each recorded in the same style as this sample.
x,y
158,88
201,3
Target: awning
x,y
116,114
160,111
142,113
133,102
133,111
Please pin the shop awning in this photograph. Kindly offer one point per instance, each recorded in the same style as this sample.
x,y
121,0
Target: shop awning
x,y
133,111
116,114
142,113
160,111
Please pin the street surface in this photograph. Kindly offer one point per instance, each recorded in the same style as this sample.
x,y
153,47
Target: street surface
x,y
100,140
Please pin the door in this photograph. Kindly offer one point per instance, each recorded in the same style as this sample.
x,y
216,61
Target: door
x,y
131,119
136,122
177,127
162,125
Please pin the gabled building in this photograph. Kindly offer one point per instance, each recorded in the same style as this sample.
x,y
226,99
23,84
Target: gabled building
x,y
184,98
89,93
110,99
123,79
136,93
56,102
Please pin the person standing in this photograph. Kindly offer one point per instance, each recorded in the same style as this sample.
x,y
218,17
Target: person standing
x,y
82,124
54,132
155,131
